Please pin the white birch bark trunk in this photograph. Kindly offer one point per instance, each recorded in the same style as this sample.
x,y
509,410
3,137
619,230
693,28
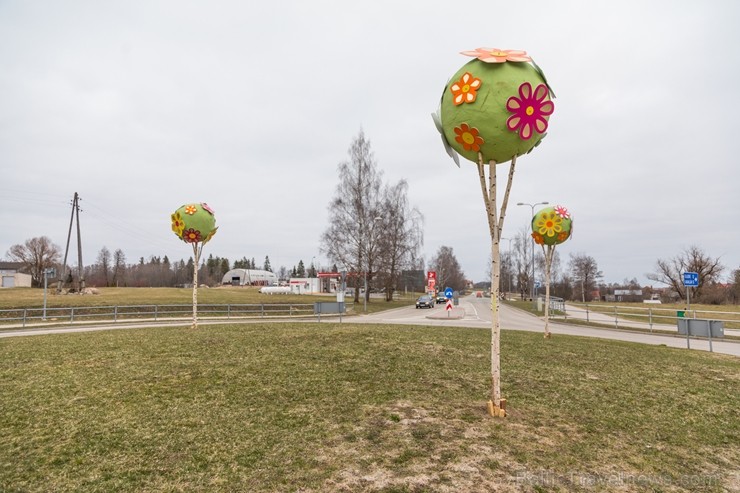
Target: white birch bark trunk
x,y
196,257
548,264
496,405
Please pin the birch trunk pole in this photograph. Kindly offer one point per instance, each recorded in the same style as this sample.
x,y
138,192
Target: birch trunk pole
x,y
496,405
549,253
196,256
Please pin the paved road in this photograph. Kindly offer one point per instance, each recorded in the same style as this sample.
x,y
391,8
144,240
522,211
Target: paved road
x,y
477,313
472,312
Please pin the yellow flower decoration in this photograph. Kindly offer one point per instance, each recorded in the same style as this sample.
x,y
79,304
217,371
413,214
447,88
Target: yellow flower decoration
x,y
549,224
178,225
190,210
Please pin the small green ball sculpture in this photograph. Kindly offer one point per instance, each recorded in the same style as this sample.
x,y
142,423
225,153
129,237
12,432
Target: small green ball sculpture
x,y
552,226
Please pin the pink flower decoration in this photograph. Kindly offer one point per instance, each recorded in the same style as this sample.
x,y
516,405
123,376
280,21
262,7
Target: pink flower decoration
x,y
494,55
530,110
206,207
562,212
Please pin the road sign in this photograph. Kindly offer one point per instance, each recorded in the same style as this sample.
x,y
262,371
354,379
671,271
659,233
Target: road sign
x,y
432,274
537,284
448,293
691,279
448,306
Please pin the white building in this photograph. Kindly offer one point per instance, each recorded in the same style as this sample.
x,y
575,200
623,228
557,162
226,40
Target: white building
x,y
11,278
305,285
249,277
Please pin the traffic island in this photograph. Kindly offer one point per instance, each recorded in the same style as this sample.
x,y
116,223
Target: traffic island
x,y
455,313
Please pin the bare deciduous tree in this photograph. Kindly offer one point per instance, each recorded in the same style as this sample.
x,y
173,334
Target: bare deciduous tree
x,y
37,254
585,273
103,267
449,273
693,259
352,239
401,235
119,267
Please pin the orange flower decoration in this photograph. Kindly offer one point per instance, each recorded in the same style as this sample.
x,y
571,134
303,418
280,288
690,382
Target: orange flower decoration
x,y
563,235
465,90
468,137
538,238
190,210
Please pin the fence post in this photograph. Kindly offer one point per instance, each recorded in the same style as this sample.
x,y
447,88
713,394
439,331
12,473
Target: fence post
x,y
228,310
616,320
262,310
72,315
156,309
24,316
587,312
650,313
709,334
115,313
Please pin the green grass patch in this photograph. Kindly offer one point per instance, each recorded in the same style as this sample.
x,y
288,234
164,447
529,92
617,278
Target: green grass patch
x,y
314,408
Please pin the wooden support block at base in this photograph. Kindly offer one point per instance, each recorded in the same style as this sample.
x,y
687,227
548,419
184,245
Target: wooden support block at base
x,y
497,411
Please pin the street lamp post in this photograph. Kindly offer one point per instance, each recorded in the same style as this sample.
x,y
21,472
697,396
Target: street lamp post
x,y
532,206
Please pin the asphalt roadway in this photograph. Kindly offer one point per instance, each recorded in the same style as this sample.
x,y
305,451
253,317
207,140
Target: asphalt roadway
x,y
472,312
476,313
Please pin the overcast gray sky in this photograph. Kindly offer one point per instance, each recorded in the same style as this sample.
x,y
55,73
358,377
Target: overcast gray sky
x,y
249,106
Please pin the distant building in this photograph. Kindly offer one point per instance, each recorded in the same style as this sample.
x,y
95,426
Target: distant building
x,y
627,295
249,277
10,277
305,285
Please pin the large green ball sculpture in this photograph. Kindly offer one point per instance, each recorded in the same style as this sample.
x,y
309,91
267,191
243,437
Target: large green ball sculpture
x,y
497,105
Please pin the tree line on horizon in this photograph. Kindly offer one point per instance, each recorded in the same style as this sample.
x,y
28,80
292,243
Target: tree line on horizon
x,y
581,280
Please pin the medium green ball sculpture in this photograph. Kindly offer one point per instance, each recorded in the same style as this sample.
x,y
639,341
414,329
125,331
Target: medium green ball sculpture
x,y
194,223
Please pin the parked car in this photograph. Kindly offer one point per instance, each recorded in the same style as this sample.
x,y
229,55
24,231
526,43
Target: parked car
x,y
441,298
425,302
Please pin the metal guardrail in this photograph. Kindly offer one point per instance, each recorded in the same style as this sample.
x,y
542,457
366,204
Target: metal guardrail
x,y
118,313
628,316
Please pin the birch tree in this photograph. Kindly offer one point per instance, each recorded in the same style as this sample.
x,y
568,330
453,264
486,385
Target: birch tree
x,y
353,237
402,235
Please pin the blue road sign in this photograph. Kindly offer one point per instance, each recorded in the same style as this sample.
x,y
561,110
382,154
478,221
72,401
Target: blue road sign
x,y
448,293
691,279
